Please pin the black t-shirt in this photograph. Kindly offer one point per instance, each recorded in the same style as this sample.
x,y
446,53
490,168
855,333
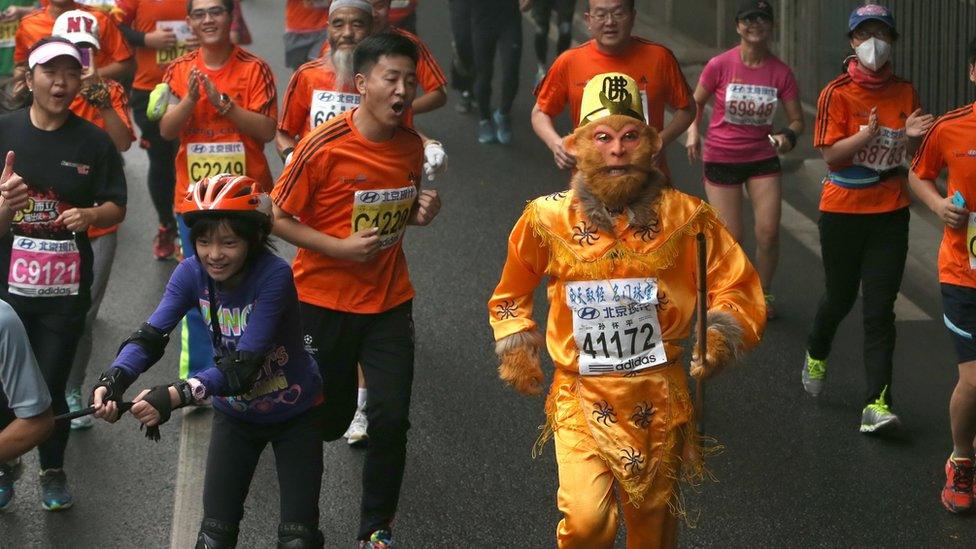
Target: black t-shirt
x,y
44,266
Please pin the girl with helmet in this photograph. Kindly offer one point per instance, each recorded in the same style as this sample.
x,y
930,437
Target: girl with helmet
x,y
265,386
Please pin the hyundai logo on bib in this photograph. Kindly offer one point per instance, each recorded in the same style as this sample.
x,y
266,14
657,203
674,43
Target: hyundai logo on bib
x,y
26,244
197,148
588,313
370,197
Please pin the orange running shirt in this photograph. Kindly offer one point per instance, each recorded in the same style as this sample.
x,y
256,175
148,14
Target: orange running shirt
x,y
306,15
38,24
210,143
844,107
339,183
312,98
951,143
429,73
653,66
401,9
120,104
146,16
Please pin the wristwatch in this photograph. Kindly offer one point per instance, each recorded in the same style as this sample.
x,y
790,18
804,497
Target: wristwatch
x,y
225,104
197,389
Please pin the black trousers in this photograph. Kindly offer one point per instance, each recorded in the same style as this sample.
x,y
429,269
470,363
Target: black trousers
x,y
541,14
54,339
236,446
462,64
496,27
383,344
866,251
161,177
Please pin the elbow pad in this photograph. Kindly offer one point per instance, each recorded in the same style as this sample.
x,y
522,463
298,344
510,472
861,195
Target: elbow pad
x,y
241,369
149,338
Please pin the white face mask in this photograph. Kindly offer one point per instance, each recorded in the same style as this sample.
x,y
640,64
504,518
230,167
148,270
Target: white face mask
x,y
873,53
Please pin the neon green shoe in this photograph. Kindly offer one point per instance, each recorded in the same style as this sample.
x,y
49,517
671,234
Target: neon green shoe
x,y
877,417
814,372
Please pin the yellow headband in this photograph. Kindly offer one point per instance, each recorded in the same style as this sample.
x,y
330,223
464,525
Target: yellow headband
x,y
610,93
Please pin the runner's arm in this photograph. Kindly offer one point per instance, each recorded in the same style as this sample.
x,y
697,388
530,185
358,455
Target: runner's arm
x,y
544,127
253,124
176,116
283,142
25,433
680,121
119,70
430,101
926,190
303,236
693,140
116,128
132,36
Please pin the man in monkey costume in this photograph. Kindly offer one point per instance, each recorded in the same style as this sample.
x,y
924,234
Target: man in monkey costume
x,y
619,249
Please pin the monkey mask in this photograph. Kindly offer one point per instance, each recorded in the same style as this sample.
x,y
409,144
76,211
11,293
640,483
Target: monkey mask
x,y
615,151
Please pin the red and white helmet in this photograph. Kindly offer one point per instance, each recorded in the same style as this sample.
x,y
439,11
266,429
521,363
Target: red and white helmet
x,y
226,193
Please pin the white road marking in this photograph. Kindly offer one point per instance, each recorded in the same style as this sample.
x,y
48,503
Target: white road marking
x,y
190,468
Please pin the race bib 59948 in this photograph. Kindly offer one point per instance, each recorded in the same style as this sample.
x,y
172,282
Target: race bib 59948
x,y
615,325
207,159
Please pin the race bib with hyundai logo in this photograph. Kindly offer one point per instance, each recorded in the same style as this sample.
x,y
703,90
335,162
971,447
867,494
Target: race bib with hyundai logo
x,y
44,268
207,159
615,325
387,209
750,105
327,105
885,151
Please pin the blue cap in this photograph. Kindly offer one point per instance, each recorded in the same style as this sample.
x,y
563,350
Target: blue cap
x,y
871,12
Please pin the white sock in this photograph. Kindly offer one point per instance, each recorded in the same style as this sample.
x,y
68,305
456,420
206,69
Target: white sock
x,y
361,401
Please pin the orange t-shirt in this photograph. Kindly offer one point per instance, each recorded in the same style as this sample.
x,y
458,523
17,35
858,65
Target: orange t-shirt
x,y
429,73
146,16
39,24
306,15
401,9
653,66
844,107
210,143
120,104
338,183
951,144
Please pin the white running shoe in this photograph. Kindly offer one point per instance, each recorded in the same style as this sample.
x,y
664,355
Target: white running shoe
x,y
356,433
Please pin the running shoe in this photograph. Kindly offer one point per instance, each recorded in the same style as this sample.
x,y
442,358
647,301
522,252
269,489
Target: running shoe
x,y
878,417
503,127
9,472
770,309
486,132
957,494
465,103
73,397
381,539
54,490
814,372
164,245
356,433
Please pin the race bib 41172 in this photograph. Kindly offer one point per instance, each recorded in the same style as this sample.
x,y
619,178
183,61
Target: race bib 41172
x,y
615,325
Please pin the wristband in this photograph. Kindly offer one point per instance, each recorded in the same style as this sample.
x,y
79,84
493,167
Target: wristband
x,y
184,389
433,142
286,154
225,105
789,134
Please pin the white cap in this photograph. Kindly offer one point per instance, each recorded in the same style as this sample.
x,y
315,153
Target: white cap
x,y
79,26
48,51
358,4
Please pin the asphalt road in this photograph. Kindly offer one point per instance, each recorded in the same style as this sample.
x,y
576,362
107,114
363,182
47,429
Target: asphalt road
x,y
795,471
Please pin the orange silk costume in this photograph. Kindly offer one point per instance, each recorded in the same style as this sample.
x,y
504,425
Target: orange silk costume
x,y
626,427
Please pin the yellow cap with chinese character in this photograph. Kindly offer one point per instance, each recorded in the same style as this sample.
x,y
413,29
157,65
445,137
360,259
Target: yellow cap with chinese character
x,y
610,93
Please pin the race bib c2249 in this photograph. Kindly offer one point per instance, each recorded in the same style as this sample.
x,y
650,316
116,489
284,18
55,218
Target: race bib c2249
x,y
44,268
884,152
207,159
750,104
615,325
387,209
327,104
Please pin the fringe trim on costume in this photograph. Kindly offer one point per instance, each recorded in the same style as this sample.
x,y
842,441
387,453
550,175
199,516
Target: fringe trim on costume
x,y
691,468
577,267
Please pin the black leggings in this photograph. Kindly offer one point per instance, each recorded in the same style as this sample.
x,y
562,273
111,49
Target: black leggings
x,y
462,64
866,251
541,14
236,446
383,344
162,160
54,340
496,26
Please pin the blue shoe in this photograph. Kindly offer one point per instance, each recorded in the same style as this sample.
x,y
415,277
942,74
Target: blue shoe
x,y
9,472
381,539
54,490
73,397
503,127
486,132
